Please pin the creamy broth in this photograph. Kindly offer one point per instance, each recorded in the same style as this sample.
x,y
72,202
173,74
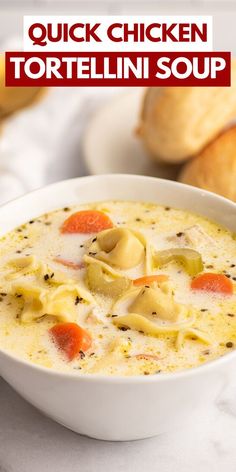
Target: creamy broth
x,y
141,328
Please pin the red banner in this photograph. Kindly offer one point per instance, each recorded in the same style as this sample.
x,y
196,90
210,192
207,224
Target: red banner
x,y
118,69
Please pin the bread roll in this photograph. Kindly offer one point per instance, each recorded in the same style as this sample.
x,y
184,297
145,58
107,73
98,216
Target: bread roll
x,y
177,122
14,98
214,168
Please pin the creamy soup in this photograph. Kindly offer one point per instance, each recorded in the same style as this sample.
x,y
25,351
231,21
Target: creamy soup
x,y
118,288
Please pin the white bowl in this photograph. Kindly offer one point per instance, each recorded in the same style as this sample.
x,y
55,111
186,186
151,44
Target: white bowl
x,y
117,408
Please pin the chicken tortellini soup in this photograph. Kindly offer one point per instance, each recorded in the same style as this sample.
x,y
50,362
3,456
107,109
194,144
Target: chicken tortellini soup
x,y
118,288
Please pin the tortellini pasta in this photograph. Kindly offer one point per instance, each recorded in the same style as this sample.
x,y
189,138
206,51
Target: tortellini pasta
x,y
98,282
145,325
49,293
119,247
21,266
191,333
105,267
30,265
153,311
155,302
59,302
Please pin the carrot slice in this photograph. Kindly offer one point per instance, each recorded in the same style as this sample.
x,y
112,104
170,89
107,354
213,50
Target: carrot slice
x,y
71,264
148,279
70,338
210,282
86,221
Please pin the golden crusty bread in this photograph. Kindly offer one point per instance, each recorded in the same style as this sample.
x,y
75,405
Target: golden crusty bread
x,y
177,122
214,168
14,98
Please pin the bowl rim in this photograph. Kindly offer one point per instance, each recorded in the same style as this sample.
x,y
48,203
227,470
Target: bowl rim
x,y
162,376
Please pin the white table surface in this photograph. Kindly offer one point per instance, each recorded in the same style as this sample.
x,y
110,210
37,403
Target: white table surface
x,y
30,442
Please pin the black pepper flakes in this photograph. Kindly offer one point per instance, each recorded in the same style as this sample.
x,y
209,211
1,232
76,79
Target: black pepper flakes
x,y
78,300
82,354
93,240
46,277
31,222
229,344
3,294
204,309
206,352
230,314
154,313
232,265
123,328
18,251
66,209
179,234
167,208
138,219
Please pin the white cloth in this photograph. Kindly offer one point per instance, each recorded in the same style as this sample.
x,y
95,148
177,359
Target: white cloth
x,y
43,143
34,142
